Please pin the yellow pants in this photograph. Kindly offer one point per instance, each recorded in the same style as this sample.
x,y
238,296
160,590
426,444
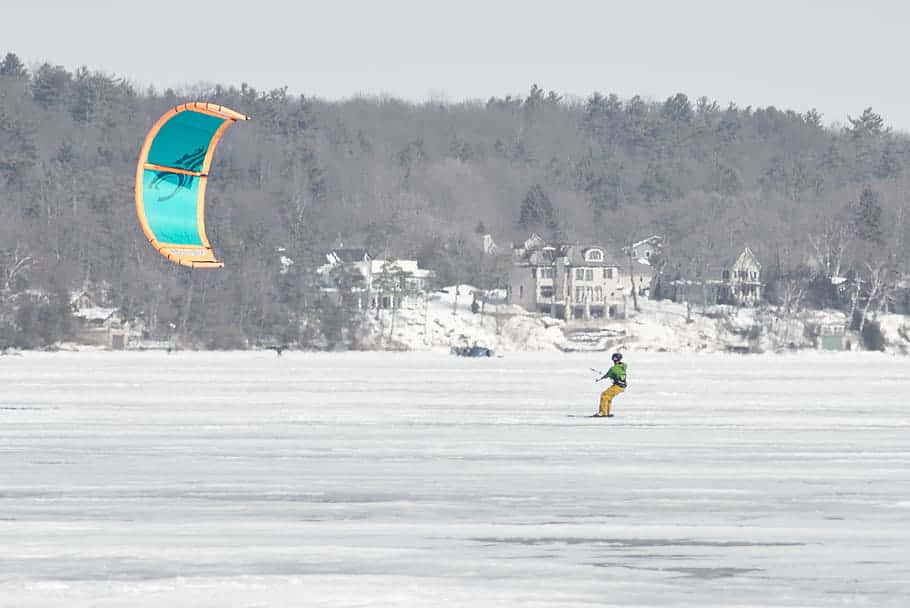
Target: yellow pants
x,y
606,398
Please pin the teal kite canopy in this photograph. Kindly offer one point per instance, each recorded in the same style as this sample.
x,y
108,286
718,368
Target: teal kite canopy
x,y
171,177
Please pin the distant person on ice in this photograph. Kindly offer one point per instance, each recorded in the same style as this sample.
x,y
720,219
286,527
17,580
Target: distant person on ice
x,y
617,374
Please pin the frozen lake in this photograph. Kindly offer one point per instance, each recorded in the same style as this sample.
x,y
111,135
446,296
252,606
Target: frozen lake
x,y
422,479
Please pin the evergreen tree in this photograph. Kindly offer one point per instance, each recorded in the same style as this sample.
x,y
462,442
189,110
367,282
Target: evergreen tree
x,y
12,67
868,126
867,216
537,211
51,86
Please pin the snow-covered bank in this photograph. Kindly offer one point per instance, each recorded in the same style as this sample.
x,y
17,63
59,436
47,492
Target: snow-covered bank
x,y
447,320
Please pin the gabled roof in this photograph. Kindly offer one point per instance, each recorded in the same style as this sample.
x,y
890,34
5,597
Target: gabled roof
x,y
575,256
747,257
96,313
654,239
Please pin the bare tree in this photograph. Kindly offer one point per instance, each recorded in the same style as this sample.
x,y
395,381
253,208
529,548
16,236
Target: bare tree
x,y
15,262
878,274
830,247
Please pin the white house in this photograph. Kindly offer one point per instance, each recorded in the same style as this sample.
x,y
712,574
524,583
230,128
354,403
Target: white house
x,y
389,283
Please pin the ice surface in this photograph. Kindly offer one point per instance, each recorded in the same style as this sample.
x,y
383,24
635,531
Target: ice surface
x,y
424,479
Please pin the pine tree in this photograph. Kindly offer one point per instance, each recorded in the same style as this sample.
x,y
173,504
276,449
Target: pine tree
x,y
537,210
12,67
867,216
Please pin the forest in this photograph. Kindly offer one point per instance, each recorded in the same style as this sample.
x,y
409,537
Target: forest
x,y
813,199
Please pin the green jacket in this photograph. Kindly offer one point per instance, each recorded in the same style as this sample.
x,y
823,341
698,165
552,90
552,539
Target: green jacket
x,y
617,374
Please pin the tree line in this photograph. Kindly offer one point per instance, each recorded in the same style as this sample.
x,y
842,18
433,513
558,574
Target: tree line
x,y
421,180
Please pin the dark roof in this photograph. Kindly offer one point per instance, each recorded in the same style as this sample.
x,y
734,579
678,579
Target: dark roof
x,y
576,256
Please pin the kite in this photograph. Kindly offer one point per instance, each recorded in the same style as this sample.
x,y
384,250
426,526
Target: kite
x,y
171,177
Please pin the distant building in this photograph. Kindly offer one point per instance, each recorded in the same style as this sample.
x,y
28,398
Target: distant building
x,y
101,325
645,249
397,283
742,281
386,283
738,283
832,336
566,281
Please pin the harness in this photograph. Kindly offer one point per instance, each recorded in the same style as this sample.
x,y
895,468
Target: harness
x,y
620,382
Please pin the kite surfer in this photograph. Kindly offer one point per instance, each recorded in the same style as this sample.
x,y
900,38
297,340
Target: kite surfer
x,y
617,373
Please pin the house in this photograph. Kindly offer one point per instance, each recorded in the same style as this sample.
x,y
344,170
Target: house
x,y
386,283
642,256
738,283
568,281
645,249
742,282
81,300
101,325
397,283
533,243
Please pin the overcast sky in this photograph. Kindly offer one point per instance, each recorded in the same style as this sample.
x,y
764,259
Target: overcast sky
x,y
839,57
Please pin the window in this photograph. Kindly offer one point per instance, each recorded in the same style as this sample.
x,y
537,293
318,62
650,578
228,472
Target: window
x,y
589,275
580,274
579,294
595,255
598,294
534,272
521,292
546,291
608,273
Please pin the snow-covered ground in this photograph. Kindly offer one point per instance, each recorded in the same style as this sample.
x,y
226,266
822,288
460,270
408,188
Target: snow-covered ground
x,y
424,479
446,320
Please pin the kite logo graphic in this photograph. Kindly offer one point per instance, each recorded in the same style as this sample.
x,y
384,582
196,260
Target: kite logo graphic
x,y
187,162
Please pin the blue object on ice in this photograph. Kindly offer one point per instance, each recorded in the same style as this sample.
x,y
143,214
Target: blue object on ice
x,y
472,351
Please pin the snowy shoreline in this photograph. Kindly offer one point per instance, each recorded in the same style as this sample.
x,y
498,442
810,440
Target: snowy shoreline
x,y
446,320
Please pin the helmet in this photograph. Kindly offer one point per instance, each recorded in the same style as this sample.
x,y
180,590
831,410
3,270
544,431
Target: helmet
x,y
617,357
